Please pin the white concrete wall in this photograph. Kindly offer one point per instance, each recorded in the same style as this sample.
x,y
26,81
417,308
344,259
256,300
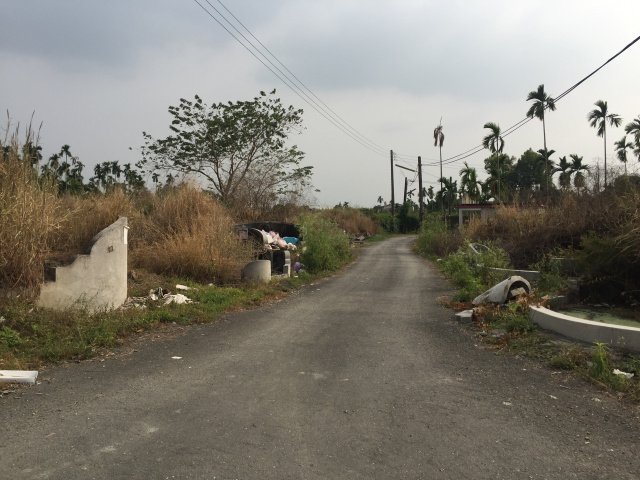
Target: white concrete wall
x,y
586,330
96,280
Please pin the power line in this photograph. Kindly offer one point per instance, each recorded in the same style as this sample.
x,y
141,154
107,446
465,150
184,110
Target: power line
x,y
334,119
519,124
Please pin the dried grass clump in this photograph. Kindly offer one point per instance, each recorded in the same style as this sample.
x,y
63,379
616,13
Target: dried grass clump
x,y
81,218
189,234
352,220
28,214
528,233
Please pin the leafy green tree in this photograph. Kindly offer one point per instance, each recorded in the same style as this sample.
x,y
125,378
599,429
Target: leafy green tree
x,y
498,169
579,179
495,144
231,144
621,151
598,118
541,102
528,173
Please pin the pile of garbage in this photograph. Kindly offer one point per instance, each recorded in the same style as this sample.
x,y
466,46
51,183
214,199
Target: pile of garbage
x,y
275,242
157,294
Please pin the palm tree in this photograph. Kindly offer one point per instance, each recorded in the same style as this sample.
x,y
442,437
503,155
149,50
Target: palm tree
x,y
438,141
541,103
633,128
549,164
577,168
495,143
598,118
621,151
380,200
564,167
469,182
448,192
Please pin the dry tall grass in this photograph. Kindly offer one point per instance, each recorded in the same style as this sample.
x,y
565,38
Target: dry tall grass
x,y
352,220
29,211
187,233
528,233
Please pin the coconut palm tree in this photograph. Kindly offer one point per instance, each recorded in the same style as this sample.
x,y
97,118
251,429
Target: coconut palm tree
x,y
438,141
598,118
495,144
577,168
564,167
633,128
469,182
621,151
541,102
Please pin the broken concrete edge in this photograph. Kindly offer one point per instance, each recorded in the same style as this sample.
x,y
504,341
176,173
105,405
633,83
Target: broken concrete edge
x,y
588,331
18,376
93,282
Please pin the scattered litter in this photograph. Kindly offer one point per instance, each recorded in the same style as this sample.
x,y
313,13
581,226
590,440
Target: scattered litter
x,y
18,376
508,404
182,287
596,399
176,358
554,397
620,372
177,298
2,319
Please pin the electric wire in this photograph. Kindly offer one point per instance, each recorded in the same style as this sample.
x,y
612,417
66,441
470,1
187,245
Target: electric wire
x,y
334,114
288,82
519,124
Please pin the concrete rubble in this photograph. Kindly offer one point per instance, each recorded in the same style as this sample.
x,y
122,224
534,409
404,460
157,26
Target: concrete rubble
x,y
504,291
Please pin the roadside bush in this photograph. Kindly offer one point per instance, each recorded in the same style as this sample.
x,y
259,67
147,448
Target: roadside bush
x,y
456,268
386,221
435,239
327,247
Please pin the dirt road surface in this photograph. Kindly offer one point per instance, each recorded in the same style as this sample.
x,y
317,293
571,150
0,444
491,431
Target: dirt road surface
x,y
362,376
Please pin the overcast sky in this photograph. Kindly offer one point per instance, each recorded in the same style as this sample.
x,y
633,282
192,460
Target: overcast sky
x,y
97,74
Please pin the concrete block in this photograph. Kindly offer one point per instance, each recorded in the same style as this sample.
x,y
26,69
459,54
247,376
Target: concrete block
x,y
257,271
95,280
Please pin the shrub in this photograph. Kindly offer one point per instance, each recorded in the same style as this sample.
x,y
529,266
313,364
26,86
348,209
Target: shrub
x,y
327,247
435,239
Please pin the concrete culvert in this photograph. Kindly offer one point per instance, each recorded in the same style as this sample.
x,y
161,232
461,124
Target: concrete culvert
x,y
504,291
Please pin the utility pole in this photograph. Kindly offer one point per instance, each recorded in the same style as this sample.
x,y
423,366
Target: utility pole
x,y
420,186
393,197
406,185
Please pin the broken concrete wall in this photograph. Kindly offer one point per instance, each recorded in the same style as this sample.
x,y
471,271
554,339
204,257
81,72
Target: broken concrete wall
x,y
95,280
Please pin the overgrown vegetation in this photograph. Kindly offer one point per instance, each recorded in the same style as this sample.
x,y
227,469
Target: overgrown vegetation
x,y
327,246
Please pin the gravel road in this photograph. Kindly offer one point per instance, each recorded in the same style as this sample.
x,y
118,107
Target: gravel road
x,y
362,376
